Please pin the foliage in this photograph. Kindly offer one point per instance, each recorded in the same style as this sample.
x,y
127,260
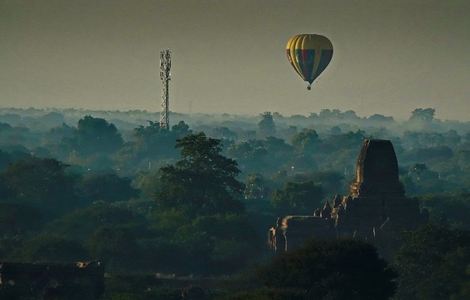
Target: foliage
x,y
18,219
5,159
423,114
205,244
96,135
256,187
115,246
49,248
343,269
433,263
266,126
150,145
106,187
188,217
452,210
223,133
40,183
158,140
82,223
203,180
251,155
298,198
306,141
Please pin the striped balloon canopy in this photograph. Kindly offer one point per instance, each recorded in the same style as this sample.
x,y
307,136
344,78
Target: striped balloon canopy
x,y
309,55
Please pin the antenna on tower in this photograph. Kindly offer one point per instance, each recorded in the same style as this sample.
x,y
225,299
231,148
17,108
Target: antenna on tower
x,y
165,76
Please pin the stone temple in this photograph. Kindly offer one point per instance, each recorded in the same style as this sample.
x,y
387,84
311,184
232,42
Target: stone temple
x,y
376,210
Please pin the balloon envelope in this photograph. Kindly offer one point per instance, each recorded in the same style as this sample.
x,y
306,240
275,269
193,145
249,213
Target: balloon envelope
x,y
309,55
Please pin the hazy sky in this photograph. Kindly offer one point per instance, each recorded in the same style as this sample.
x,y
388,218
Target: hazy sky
x,y
229,56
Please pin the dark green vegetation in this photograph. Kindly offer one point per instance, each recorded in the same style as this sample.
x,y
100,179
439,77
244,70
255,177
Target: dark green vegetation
x,y
343,269
434,264
197,205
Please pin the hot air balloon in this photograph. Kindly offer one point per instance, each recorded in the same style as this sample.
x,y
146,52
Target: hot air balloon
x,y
309,55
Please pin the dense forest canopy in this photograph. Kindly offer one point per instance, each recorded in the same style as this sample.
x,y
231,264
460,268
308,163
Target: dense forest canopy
x,y
196,199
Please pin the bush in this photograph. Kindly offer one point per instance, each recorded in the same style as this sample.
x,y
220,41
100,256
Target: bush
x,y
344,269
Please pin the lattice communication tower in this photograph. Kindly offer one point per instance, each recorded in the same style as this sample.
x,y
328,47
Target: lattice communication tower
x,y
165,76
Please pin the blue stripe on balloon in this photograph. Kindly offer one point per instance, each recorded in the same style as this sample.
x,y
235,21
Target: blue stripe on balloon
x,y
325,58
310,62
306,58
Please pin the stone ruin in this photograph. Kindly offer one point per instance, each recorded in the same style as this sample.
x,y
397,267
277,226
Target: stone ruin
x,y
376,209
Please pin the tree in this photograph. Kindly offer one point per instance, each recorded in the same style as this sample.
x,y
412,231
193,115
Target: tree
x,y
97,135
41,183
278,153
433,263
423,114
277,146
421,179
337,269
16,219
331,182
181,129
5,159
429,154
224,133
151,145
452,210
16,137
64,134
81,223
306,141
52,249
251,155
381,119
107,187
203,181
297,198
218,243
256,187
266,126
4,126
52,119
209,244
306,145
115,246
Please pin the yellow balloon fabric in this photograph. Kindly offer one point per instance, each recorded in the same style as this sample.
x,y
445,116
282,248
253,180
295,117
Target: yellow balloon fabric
x,y
309,55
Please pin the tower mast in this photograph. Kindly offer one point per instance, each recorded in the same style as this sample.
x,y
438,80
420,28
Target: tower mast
x,y
165,76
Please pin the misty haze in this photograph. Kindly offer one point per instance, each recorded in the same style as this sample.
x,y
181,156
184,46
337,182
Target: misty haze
x,y
229,150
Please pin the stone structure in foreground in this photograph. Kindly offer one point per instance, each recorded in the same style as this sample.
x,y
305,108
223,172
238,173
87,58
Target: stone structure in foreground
x,y
376,209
